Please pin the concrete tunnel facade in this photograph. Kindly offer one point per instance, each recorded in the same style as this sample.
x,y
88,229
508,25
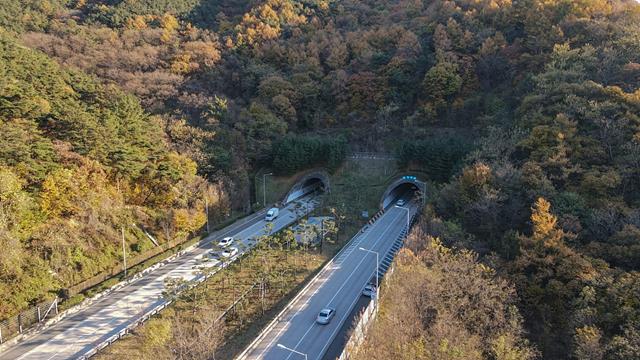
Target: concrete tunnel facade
x,y
399,186
306,184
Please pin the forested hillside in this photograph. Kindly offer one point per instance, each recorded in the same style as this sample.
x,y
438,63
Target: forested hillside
x,y
444,304
78,161
526,115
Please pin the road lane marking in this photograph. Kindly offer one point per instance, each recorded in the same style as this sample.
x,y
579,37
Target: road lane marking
x,y
346,281
288,322
178,268
343,318
55,337
181,265
340,323
359,239
290,207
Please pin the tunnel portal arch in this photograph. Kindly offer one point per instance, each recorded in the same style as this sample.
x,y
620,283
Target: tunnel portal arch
x,y
306,184
399,187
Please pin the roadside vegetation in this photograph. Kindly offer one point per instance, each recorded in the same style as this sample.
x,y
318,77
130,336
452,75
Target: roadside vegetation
x,y
79,161
122,112
442,303
229,309
221,316
346,201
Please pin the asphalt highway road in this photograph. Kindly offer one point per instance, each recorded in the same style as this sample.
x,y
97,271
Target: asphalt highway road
x,y
338,286
340,341
79,333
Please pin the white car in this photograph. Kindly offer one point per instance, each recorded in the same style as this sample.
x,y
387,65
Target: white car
x,y
272,214
225,242
400,202
230,252
325,316
369,291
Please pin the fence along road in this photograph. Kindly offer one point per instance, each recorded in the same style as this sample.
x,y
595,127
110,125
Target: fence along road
x,y
79,334
339,286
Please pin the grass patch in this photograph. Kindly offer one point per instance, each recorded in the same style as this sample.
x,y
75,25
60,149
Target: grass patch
x,y
357,186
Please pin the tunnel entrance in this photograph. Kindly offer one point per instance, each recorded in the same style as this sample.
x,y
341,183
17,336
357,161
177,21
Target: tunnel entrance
x,y
406,188
314,182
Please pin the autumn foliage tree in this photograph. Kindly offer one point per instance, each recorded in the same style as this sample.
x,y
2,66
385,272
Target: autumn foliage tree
x,y
441,303
79,161
543,181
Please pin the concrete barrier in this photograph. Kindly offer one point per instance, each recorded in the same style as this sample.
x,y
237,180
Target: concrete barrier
x,y
368,315
326,266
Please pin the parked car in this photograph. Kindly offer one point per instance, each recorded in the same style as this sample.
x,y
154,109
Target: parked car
x,y
230,252
325,316
369,291
400,202
272,214
225,242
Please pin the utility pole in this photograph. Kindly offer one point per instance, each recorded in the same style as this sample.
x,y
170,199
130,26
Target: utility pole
x,y
124,254
206,207
264,189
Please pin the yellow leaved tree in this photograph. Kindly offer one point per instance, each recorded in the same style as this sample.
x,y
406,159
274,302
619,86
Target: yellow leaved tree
x,y
545,229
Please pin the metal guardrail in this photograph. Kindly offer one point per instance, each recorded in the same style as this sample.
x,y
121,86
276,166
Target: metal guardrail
x,y
369,313
280,315
124,331
7,342
163,303
360,330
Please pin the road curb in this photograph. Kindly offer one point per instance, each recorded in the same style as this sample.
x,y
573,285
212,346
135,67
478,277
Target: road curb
x,y
278,317
7,345
162,303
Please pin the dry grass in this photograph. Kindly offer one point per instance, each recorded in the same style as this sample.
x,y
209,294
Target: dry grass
x,y
221,291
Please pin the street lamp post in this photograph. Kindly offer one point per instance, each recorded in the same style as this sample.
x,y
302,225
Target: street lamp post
x,y
408,212
377,266
293,351
264,189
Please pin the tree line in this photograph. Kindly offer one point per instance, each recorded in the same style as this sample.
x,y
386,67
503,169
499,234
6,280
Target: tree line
x,y
439,156
294,153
